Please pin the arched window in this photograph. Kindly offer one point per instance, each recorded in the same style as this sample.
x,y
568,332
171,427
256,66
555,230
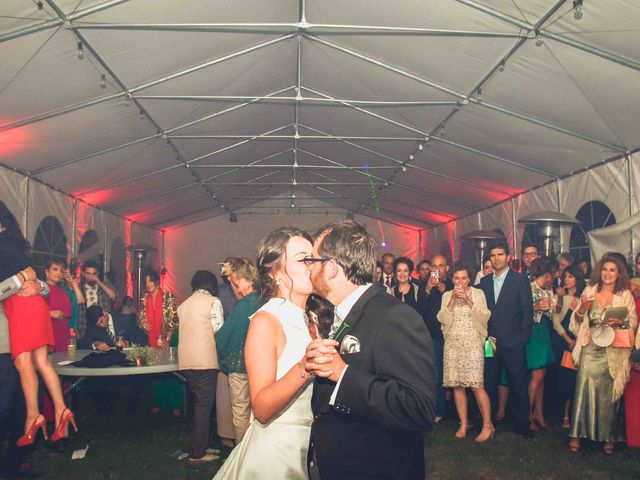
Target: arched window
x,y
591,215
50,243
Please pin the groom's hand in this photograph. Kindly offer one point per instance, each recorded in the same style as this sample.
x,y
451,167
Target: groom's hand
x,y
319,354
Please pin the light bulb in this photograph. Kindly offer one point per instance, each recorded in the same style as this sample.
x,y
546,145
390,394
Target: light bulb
x,y
411,157
539,40
577,10
103,81
501,67
80,51
420,146
404,167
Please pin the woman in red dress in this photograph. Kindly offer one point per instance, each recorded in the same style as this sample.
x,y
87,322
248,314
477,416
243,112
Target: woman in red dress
x,y
30,334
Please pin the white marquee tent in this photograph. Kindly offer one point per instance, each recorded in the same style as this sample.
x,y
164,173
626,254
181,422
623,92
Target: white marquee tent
x,y
156,121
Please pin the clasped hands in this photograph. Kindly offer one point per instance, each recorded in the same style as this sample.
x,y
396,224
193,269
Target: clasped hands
x,y
322,359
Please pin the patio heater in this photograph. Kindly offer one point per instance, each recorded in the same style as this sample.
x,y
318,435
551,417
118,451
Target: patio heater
x,y
481,240
548,229
139,255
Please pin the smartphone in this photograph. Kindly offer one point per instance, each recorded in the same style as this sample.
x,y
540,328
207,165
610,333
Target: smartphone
x,y
436,275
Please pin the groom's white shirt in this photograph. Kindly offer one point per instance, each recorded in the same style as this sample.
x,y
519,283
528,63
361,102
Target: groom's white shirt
x,y
342,310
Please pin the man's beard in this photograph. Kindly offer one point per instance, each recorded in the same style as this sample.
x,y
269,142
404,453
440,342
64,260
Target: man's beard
x,y
320,286
92,283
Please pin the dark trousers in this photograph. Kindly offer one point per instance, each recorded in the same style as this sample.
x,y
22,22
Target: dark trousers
x,y
441,399
202,384
12,414
514,362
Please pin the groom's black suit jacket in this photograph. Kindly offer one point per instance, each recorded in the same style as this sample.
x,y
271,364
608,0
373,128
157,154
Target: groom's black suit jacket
x,y
386,398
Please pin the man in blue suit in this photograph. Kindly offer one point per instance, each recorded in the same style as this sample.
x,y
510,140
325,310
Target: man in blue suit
x,y
508,296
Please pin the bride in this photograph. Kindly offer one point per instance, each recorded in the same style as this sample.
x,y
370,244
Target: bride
x,y
277,440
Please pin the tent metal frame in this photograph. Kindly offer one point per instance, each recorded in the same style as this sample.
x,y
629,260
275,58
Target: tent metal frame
x,y
303,30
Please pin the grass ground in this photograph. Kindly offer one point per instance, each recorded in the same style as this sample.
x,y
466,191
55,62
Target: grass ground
x,y
139,446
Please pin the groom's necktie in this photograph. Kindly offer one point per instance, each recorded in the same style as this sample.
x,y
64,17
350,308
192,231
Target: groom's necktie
x,y
337,321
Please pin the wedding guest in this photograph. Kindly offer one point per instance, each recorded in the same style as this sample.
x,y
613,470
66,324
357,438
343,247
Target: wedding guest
x,y
508,295
12,405
424,270
30,335
486,269
539,351
464,316
585,266
564,260
562,339
159,318
95,291
230,342
603,372
377,277
405,290
64,296
388,280
200,316
430,301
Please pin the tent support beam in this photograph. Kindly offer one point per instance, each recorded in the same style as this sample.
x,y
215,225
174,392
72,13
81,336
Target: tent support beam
x,y
284,28
399,202
439,138
411,165
612,57
462,97
288,137
399,185
310,100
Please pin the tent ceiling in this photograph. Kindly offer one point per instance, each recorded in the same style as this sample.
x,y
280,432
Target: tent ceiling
x,y
179,111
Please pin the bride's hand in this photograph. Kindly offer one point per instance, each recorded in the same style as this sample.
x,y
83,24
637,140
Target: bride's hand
x,y
319,353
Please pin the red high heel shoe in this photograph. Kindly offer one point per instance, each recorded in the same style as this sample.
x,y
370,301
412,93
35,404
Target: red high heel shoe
x,y
30,437
62,430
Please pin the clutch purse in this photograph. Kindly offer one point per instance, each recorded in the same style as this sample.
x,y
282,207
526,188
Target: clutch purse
x,y
567,361
489,347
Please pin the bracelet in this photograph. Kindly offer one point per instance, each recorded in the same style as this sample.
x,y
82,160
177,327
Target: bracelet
x,y
23,275
303,374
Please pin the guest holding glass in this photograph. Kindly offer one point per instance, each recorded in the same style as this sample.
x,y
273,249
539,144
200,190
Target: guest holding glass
x,y
64,297
158,316
562,339
603,372
405,290
539,350
464,316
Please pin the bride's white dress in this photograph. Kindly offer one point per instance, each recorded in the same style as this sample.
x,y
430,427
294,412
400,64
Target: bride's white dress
x,y
278,450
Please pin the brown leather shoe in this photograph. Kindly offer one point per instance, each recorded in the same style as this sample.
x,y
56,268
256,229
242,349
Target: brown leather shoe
x,y
207,457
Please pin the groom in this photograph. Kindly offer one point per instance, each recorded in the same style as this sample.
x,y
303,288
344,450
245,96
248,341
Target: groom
x,y
375,390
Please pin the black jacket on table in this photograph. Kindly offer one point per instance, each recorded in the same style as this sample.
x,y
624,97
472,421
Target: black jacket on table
x,y
512,316
386,398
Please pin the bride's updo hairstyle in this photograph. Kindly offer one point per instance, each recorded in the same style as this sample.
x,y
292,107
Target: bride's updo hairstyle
x,y
272,256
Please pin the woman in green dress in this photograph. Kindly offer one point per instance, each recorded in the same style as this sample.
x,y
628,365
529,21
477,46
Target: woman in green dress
x,y
539,349
603,372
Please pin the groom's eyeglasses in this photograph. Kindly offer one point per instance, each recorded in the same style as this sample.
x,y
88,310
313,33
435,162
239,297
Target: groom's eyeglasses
x,y
308,261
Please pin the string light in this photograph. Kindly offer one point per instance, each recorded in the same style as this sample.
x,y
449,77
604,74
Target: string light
x,y
442,128
577,9
479,96
501,66
411,156
539,40
39,5
420,146
103,81
80,51
404,168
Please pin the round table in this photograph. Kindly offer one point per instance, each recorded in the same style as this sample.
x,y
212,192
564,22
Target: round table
x,y
167,363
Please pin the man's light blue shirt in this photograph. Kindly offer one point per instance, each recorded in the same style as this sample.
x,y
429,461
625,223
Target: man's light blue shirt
x,y
498,281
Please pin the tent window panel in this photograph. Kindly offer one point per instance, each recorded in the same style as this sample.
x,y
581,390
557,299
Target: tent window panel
x,y
50,243
592,215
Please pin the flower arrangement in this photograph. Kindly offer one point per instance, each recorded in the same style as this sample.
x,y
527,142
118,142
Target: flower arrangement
x,y
147,356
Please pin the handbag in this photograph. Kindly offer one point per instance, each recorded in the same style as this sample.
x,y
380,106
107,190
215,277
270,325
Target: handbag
x,y
489,347
567,361
623,337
